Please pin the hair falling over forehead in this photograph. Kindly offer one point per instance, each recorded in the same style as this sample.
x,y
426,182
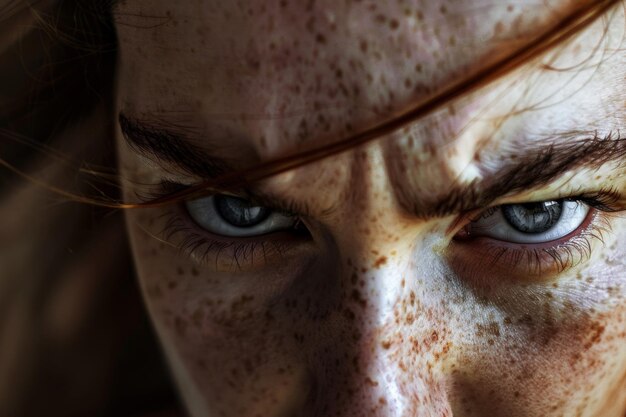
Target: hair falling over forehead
x,y
582,15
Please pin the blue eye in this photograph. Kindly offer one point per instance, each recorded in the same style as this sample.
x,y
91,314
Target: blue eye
x,y
239,212
236,217
533,218
539,222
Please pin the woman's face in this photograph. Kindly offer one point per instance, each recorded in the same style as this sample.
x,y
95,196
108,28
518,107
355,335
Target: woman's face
x,y
468,264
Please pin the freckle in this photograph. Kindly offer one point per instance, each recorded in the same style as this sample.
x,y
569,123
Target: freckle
x,y
180,271
320,38
381,18
349,314
195,272
172,285
371,382
443,10
254,63
394,24
386,345
410,318
363,45
380,261
356,296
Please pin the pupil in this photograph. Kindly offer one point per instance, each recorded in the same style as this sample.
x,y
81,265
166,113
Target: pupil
x,y
239,212
533,218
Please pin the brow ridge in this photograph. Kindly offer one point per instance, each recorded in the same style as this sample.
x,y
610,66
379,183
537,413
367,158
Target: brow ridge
x,y
532,170
537,168
161,144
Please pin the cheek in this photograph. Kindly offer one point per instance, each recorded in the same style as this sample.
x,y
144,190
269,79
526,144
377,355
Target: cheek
x,y
316,336
560,351
550,371
239,336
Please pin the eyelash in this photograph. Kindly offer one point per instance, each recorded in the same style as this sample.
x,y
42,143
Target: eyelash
x,y
197,244
539,259
563,254
571,250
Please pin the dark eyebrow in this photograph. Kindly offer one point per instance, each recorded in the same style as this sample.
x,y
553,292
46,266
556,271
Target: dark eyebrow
x,y
161,142
531,169
165,142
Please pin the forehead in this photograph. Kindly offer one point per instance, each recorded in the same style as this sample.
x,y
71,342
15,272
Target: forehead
x,y
278,73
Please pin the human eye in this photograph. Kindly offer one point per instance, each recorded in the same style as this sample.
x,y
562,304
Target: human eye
x,y
531,223
536,239
231,232
231,216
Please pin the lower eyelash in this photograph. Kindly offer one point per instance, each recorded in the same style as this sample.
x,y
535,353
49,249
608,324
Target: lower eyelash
x,y
557,258
213,251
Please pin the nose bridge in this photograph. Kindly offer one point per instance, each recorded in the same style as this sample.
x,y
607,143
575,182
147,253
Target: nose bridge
x,y
394,339
385,334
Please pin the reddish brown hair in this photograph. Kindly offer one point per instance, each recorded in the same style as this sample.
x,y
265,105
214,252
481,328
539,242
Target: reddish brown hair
x,y
102,45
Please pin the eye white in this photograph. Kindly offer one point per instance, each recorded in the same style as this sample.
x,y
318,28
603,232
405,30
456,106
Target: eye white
x,y
206,214
496,226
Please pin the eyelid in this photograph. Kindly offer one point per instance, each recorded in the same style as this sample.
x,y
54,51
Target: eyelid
x,y
223,253
607,200
286,206
478,260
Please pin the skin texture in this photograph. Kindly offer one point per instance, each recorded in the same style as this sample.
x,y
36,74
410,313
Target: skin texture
x,y
380,312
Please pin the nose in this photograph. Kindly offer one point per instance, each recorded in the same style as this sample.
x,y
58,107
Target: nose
x,y
388,345
384,350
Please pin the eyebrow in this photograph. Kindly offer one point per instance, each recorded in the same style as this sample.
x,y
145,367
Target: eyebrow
x,y
161,142
536,167
530,169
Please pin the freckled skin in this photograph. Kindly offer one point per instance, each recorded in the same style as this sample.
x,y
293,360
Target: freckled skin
x,y
379,313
